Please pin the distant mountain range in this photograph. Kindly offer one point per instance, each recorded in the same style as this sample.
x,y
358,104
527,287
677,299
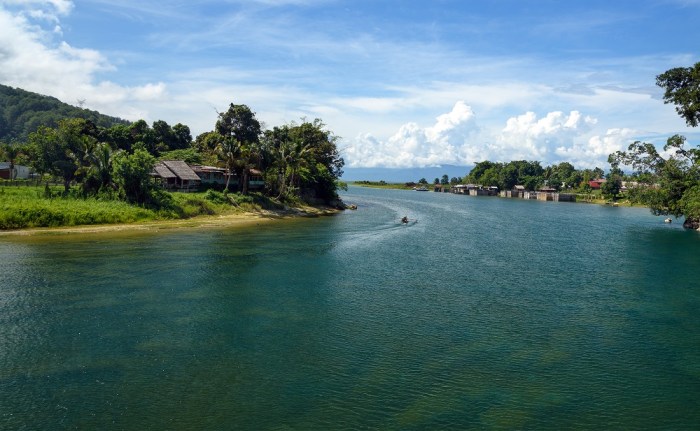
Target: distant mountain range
x,y
404,175
22,112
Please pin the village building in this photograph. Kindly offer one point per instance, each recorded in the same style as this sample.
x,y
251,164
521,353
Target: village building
x,y
211,175
175,175
255,180
18,172
595,184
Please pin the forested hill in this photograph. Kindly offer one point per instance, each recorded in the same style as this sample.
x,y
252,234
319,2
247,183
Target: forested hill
x,y
22,112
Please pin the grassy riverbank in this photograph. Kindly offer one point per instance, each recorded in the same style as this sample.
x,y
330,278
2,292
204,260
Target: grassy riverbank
x,y
37,207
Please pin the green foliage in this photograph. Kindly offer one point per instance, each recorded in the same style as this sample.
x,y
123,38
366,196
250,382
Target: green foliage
x,y
690,202
23,112
116,161
188,155
132,174
664,182
25,207
506,175
302,159
682,88
216,197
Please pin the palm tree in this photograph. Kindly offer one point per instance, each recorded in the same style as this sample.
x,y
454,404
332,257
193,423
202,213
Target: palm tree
x,y
98,173
296,159
229,150
12,152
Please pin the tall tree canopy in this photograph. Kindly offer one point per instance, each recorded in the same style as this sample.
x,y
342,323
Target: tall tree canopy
x,y
670,185
682,88
240,144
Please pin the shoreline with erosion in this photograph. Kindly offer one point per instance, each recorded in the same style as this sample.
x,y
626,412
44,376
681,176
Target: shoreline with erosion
x,y
220,221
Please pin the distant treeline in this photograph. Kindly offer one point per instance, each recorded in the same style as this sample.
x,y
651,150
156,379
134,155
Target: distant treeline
x,y
22,112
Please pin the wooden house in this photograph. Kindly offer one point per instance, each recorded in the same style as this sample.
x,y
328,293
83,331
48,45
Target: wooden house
x,y
211,175
176,175
255,180
595,184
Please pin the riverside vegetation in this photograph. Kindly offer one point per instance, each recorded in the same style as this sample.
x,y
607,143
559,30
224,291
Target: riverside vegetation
x,y
105,172
111,166
667,185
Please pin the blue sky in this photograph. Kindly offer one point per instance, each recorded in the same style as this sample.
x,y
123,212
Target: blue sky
x,y
403,83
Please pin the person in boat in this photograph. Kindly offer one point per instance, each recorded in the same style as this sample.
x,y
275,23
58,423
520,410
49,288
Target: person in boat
x,y
404,220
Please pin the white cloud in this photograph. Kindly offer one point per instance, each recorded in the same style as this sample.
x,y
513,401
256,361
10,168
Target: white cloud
x,y
412,145
31,59
456,139
62,7
528,138
595,151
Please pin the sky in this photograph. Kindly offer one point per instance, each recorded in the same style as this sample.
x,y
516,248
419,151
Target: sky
x,y
403,84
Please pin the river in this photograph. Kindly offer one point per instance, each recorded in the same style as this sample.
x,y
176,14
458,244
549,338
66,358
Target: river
x,y
481,313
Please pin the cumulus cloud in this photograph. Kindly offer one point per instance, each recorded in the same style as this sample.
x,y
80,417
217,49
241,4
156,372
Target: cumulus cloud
x,y
526,137
414,146
35,58
594,152
456,139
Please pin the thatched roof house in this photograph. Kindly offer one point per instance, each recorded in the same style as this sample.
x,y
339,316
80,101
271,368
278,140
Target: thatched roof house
x,y
176,174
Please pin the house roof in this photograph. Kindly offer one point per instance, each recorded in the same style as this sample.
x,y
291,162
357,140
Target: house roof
x,y
204,168
181,169
160,170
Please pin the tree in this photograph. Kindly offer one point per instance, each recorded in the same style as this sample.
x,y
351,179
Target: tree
x,y
682,88
241,144
286,154
613,181
11,152
445,180
132,174
667,185
98,174
562,174
319,165
676,179
62,151
163,136
141,132
118,137
182,137
229,151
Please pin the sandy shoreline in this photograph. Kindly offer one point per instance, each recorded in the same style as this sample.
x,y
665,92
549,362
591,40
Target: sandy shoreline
x,y
200,222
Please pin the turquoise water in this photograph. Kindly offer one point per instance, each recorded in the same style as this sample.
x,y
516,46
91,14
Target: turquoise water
x,y
487,313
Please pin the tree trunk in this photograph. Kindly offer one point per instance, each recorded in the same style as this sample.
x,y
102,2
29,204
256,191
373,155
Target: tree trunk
x,y
244,184
692,223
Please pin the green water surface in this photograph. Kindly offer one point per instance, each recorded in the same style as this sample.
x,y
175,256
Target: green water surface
x,y
487,313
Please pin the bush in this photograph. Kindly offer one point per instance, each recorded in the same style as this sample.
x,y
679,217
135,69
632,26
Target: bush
x,y
217,197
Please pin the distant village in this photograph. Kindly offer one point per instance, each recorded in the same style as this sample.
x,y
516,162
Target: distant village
x,y
519,191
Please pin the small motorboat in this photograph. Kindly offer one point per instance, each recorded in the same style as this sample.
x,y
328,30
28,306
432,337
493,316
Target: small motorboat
x,y
406,221
668,220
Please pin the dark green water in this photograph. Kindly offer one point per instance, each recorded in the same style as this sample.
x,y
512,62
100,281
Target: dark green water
x,y
486,314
